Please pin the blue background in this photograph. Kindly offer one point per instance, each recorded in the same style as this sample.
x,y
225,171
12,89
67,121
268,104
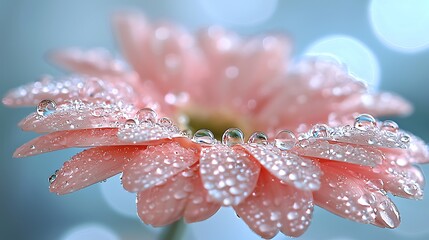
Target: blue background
x,y
29,29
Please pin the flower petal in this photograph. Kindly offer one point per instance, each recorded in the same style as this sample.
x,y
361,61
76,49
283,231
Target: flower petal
x,y
362,155
70,88
79,115
68,139
155,165
286,166
94,62
148,131
273,206
92,166
351,198
228,174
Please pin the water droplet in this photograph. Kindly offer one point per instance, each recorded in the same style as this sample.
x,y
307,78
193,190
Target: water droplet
x,y
258,137
53,177
364,122
203,136
46,107
232,137
285,140
146,115
390,126
405,138
165,122
320,131
292,215
32,147
130,123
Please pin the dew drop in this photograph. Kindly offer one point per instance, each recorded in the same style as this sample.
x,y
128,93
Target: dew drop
x,y
46,107
53,177
146,115
285,140
405,138
364,122
232,137
320,131
258,137
130,123
203,136
165,122
292,215
390,126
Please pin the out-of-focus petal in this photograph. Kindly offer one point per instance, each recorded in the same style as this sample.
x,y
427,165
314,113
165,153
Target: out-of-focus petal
x,y
155,165
228,174
274,206
92,166
286,166
70,88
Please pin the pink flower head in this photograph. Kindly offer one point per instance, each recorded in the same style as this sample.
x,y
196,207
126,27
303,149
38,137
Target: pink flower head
x,y
137,121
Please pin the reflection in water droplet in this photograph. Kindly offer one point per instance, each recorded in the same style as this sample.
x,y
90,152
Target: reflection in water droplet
x,y
364,122
405,138
285,140
258,137
130,123
46,107
390,126
53,177
146,115
203,136
232,137
320,131
165,122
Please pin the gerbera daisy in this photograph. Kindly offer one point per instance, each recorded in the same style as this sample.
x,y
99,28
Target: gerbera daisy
x,y
271,138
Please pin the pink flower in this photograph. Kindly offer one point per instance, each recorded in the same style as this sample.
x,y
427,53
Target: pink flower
x,y
137,121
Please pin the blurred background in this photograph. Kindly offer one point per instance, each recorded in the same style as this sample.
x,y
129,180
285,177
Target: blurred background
x,y
384,42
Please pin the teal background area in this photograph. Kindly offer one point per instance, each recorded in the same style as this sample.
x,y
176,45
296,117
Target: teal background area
x,y
29,29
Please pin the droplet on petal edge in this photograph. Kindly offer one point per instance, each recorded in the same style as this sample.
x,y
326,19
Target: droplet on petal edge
x,y
258,137
285,140
232,136
204,136
46,107
365,122
146,115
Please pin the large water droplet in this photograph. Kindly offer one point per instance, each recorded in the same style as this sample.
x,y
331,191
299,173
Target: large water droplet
x,y
364,122
203,136
258,137
390,126
130,123
46,107
285,140
146,115
320,131
232,137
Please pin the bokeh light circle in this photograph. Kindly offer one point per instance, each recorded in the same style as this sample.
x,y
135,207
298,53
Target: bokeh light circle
x,y
239,12
401,25
90,231
117,198
356,56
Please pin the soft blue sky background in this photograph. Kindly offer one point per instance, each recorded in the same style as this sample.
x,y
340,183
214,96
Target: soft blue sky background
x,y
28,29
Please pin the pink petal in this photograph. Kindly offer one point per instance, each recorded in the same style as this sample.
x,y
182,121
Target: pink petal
x,y
93,62
275,206
229,175
286,166
352,198
92,166
70,88
79,115
148,131
68,139
418,150
155,165
362,155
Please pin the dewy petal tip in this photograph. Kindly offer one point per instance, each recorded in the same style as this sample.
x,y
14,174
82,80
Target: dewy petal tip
x,y
177,124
